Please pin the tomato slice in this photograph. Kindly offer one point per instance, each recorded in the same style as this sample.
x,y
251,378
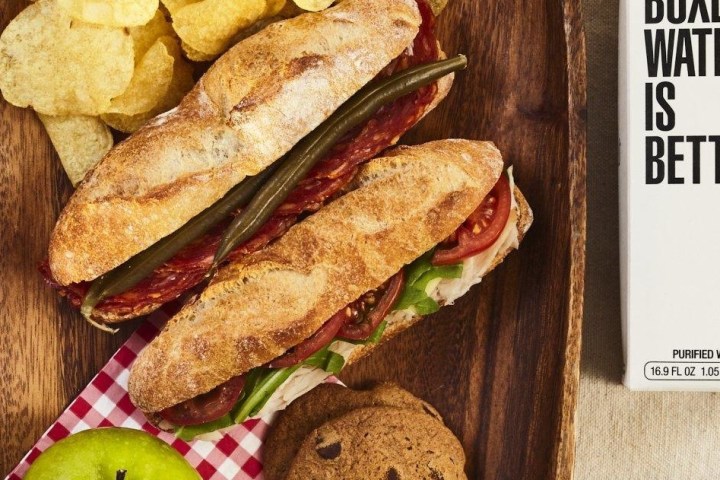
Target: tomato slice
x,y
356,321
208,406
317,341
482,228
365,314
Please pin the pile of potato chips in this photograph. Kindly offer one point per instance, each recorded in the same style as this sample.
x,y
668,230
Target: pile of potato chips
x,y
84,65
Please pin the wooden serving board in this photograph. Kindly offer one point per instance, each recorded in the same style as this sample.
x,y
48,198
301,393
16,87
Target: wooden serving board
x,y
501,365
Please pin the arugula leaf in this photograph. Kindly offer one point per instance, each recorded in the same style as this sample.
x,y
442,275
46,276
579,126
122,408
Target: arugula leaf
x,y
418,276
266,381
188,432
416,269
327,360
375,336
263,382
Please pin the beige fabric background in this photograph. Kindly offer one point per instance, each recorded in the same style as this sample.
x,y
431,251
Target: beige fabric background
x,y
622,434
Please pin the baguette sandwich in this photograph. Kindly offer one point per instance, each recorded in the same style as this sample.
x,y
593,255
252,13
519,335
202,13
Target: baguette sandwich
x,y
413,231
253,107
256,200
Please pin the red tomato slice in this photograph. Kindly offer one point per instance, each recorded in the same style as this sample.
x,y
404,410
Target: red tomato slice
x,y
208,406
366,313
356,322
482,228
317,341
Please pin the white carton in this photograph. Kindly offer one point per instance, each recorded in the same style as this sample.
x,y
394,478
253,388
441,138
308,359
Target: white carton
x,y
670,193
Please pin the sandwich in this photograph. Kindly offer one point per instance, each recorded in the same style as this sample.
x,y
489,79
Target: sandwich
x,y
254,107
413,231
258,204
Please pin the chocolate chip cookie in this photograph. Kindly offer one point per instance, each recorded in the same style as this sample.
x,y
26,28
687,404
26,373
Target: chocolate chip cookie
x,y
383,443
324,403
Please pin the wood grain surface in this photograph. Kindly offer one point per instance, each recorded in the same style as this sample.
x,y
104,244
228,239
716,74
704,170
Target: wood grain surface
x,y
501,365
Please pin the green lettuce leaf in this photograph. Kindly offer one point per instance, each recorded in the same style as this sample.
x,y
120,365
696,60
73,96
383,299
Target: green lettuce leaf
x,y
264,383
418,276
377,334
188,432
326,359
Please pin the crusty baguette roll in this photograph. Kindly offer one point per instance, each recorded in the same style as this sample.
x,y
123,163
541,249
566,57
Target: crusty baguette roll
x,y
252,106
522,221
255,309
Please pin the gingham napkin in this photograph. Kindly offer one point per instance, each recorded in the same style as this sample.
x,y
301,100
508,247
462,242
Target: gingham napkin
x,y
105,402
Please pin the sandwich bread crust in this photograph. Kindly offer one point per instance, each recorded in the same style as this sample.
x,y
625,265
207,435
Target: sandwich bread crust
x,y
251,107
401,206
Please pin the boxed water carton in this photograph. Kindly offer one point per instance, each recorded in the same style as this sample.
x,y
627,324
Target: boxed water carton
x,y
670,193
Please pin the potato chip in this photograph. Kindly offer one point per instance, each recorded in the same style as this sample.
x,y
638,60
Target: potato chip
x,y
171,44
149,83
210,25
111,13
175,5
274,7
313,5
146,35
195,55
63,67
182,82
80,141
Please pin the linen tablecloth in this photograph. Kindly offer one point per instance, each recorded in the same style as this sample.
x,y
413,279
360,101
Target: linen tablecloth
x,y
622,434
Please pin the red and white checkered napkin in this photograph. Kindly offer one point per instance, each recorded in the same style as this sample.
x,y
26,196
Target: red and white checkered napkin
x,y
105,402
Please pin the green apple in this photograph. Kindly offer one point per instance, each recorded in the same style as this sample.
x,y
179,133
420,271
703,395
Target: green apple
x,y
103,453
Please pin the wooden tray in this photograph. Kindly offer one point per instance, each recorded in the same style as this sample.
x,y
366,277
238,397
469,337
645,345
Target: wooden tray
x,y
501,365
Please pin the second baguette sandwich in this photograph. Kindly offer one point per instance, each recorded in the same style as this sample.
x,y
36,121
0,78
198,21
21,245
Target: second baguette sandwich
x,y
235,352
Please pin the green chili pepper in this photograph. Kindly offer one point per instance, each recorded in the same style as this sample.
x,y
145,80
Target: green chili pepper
x,y
127,275
312,148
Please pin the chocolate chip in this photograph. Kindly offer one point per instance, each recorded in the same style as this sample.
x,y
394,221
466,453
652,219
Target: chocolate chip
x,y
435,475
392,474
329,452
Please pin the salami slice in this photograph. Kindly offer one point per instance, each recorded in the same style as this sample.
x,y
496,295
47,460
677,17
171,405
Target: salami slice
x,y
188,268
